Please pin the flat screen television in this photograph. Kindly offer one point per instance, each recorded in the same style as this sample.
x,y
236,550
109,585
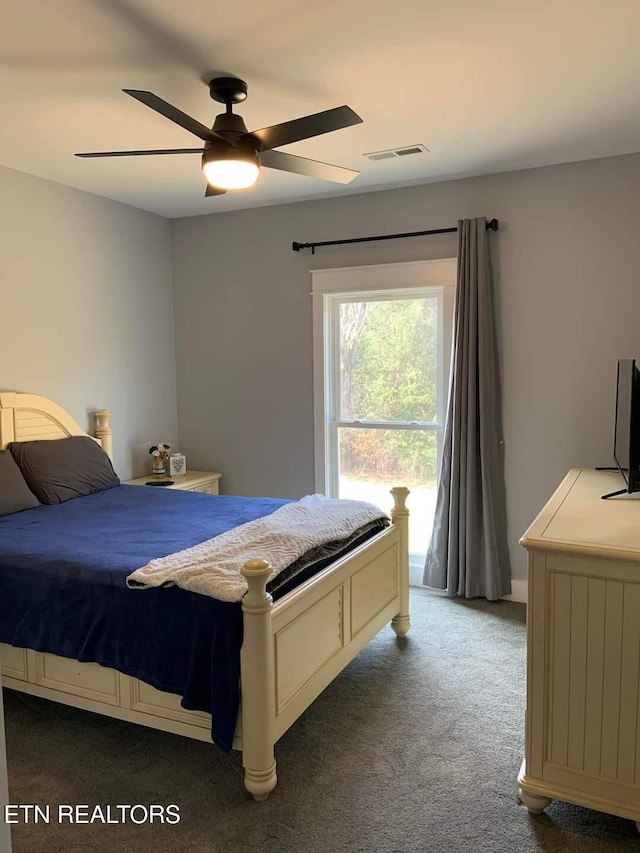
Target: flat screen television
x,y
626,442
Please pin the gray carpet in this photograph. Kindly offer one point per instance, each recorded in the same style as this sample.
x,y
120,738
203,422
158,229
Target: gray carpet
x,y
415,747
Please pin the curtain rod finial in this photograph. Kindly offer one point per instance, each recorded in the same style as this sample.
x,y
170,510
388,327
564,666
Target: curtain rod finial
x,y
493,224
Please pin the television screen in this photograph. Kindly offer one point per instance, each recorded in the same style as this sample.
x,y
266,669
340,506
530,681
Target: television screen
x,y
624,393
626,446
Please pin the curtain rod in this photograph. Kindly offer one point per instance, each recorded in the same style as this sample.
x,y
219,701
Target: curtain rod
x,y
493,224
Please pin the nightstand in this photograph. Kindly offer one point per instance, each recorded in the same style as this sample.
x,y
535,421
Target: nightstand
x,y
192,481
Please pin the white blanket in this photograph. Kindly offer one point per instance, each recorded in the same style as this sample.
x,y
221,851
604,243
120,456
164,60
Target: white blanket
x,y
213,567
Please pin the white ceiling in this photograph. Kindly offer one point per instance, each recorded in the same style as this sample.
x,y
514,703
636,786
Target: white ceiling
x,y
487,86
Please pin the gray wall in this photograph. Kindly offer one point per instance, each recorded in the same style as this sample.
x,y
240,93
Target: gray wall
x,y
87,313
567,267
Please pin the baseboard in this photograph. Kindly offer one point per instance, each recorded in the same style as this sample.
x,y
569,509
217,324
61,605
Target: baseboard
x,y
518,592
518,588
415,575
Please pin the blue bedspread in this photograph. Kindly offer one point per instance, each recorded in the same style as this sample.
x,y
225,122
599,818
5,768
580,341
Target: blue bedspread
x,y
62,590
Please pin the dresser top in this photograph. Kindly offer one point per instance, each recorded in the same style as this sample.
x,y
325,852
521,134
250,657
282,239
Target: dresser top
x,y
576,518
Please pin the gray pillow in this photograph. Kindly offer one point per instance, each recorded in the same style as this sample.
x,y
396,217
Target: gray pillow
x,y
14,492
57,470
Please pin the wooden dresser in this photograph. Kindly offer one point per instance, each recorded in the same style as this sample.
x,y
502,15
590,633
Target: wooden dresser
x,y
583,649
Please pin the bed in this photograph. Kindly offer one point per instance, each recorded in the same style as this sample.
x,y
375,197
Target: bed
x,y
291,648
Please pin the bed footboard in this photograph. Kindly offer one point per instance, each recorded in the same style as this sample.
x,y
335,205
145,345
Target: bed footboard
x,y
293,649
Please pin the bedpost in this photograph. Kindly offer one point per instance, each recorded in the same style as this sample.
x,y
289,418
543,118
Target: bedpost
x,y
257,687
103,431
401,622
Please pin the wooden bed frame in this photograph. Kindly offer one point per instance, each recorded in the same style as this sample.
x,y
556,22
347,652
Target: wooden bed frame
x,y
292,649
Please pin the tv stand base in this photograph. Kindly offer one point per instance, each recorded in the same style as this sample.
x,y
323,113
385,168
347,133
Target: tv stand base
x,y
614,494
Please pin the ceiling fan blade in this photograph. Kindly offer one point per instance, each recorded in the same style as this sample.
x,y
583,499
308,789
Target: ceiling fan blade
x,y
213,191
304,128
141,153
310,168
173,114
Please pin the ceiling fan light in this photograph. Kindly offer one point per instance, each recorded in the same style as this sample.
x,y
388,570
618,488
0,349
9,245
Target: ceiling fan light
x,y
233,169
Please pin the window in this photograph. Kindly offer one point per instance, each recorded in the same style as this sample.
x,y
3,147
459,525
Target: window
x,y
382,343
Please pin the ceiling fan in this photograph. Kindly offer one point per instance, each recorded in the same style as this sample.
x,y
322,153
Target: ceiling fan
x,y
232,156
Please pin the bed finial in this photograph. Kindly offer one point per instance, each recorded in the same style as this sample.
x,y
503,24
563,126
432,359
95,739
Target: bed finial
x,y
103,431
399,495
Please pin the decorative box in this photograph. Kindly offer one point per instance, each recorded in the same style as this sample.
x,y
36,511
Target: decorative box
x,y
177,464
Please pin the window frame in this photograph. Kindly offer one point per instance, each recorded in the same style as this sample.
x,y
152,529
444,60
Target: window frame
x,y
330,287
333,416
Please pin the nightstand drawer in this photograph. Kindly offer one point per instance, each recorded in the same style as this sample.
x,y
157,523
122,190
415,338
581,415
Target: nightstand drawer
x,y
209,489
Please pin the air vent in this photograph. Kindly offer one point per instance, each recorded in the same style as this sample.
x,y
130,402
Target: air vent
x,y
382,155
396,152
402,152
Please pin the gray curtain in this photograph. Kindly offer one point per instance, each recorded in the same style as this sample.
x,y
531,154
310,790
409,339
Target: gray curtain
x,y
468,554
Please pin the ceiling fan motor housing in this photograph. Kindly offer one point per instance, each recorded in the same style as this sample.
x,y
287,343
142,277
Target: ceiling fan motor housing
x,y
231,124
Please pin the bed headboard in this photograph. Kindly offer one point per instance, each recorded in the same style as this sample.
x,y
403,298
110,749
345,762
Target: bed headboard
x,y
27,417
